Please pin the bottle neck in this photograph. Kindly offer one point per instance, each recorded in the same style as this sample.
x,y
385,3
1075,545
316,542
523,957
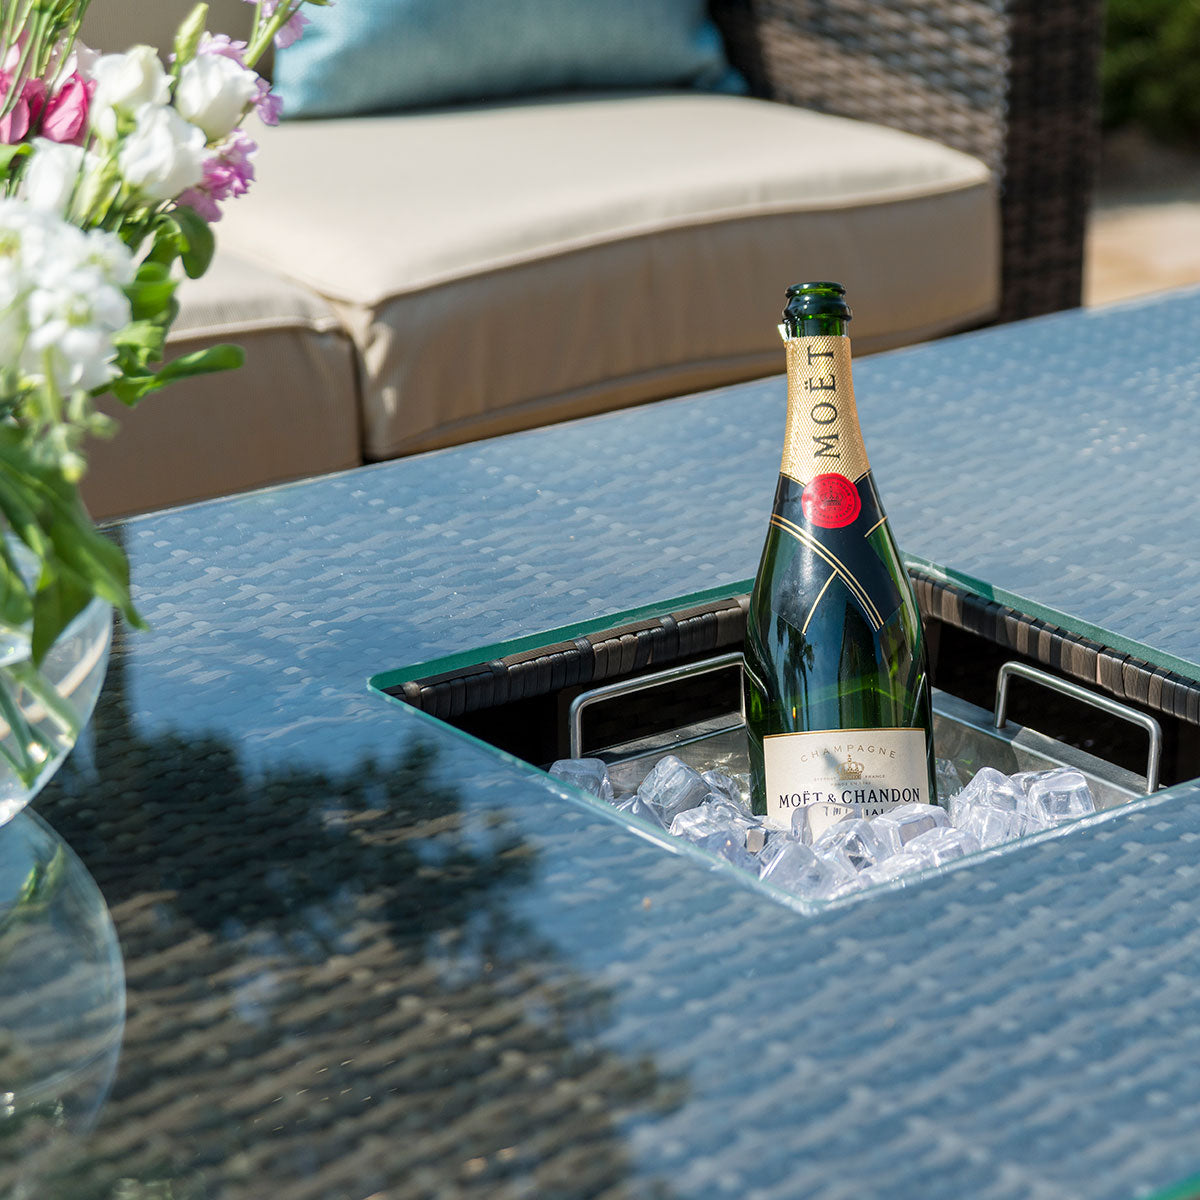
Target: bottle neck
x,y
823,435
819,326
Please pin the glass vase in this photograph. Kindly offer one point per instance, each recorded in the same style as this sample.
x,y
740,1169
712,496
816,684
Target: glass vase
x,y
44,708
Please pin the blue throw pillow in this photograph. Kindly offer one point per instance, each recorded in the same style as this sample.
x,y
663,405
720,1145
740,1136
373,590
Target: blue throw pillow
x,y
385,55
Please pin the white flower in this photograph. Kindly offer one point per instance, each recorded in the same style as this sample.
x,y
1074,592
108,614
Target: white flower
x,y
214,93
125,83
33,241
60,297
164,155
52,174
106,253
71,324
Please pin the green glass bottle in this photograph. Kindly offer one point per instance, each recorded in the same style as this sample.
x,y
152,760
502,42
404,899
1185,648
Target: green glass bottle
x,y
837,694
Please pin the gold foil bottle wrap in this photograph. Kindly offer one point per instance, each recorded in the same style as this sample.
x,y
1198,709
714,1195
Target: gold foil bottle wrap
x,y
822,422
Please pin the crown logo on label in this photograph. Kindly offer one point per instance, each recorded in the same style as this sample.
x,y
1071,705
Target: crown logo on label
x,y
850,769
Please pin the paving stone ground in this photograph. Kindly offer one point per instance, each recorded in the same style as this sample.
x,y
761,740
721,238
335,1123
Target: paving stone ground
x,y
1144,232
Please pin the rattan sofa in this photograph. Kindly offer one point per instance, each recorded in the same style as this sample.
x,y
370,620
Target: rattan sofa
x,y
356,354
1013,82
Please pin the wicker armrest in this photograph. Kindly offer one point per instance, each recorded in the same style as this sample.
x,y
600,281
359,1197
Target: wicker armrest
x,y
1014,83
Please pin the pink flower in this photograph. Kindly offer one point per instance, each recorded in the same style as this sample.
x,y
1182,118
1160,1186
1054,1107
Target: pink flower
x,y
268,104
227,175
292,29
202,201
15,126
66,116
225,46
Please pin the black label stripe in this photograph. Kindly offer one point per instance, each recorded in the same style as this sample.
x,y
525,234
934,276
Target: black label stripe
x,y
847,577
812,612
806,539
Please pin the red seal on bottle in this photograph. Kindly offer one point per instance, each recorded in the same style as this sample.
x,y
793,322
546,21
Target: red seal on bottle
x,y
831,501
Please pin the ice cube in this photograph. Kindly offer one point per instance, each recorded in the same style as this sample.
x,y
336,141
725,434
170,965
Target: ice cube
x,y
730,847
811,820
756,839
990,785
990,808
713,816
851,842
942,845
900,825
778,842
949,782
995,807
590,774
725,786
673,787
1057,796
637,807
993,790
796,868
1022,779
993,826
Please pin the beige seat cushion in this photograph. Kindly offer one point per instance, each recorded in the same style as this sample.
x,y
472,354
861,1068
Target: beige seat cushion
x,y
501,267
291,411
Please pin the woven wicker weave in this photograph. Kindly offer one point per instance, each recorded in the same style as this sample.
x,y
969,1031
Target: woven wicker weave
x,y
709,629
1013,82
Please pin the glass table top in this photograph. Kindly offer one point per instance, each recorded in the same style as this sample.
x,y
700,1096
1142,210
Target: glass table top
x,y
366,958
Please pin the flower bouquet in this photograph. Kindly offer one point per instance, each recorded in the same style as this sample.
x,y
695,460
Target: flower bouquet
x,y
113,169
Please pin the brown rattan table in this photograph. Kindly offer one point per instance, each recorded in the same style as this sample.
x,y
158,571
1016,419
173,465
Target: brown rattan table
x,y
368,956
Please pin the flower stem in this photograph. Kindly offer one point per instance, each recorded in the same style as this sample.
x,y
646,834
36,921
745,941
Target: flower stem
x,y
40,886
23,736
60,47
48,394
17,79
47,695
264,32
15,17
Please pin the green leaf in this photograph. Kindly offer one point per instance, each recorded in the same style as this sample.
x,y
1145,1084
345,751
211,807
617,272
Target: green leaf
x,y
76,561
135,384
224,357
132,386
198,241
16,606
152,292
20,513
85,564
10,154
55,606
144,337
167,245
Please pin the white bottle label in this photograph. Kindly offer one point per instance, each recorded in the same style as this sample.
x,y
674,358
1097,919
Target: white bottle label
x,y
877,769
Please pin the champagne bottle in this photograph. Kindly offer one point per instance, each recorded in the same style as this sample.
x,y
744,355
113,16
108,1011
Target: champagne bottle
x,y
836,689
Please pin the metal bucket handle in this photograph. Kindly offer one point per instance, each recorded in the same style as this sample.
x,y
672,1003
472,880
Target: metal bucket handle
x,y
626,686
1113,707
1007,670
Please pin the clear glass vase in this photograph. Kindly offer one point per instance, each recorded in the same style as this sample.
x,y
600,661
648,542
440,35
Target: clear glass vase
x,y
62,1008
62,988
44,708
